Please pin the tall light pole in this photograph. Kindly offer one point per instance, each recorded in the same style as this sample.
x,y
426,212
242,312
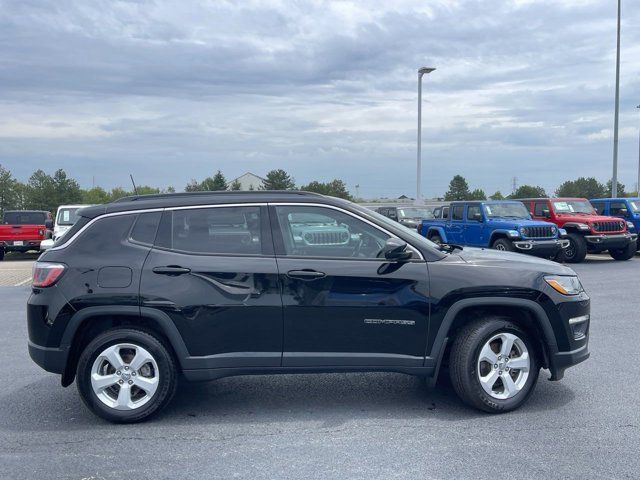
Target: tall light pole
x,y
638,184
614,180
421,72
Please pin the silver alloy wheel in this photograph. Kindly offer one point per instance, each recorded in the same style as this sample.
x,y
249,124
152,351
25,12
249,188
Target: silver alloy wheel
x,y
503,365
124,376
501,247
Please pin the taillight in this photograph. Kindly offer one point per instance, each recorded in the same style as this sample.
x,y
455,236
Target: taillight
x,y
46,274
41,232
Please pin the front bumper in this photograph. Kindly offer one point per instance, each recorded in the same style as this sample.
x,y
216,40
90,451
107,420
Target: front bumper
x,y
541,246
605,242
560,361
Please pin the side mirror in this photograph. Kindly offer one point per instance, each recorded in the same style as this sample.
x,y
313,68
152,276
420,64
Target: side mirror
x,y
46,244
476,217
48,224
395,250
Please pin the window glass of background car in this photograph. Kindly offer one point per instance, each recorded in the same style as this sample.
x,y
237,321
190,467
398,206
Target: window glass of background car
x,y
219,230
24,218
472,211
618,209
456,213
67,216
598,207
445,212
325,232
144,230
540,209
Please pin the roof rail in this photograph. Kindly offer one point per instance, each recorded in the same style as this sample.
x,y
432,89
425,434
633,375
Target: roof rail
x,y
154,196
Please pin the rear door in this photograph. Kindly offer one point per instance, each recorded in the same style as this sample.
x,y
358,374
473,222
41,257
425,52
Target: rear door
x,y
343,305
455,224
213,272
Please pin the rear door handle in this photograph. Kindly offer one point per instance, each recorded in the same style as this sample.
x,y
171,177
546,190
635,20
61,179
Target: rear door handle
x,y
172,270
306,275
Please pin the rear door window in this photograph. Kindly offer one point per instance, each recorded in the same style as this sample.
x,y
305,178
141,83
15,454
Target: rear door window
x,y
214,230
457,212
144,230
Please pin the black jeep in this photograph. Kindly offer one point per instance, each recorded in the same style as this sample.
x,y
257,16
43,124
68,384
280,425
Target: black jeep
x,y
207,285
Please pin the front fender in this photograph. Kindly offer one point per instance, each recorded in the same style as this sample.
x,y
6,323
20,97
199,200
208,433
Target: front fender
x,y
502,233
439,230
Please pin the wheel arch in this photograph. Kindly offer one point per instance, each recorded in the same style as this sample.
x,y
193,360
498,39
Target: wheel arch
x,y
437,231
86,324
534,321
496,235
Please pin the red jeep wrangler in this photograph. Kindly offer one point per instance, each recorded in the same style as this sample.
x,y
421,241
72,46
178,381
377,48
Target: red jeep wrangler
x,y
587,231
23,230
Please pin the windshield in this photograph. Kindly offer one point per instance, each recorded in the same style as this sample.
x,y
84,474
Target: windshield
x,y
411,212
67,216
24,218
635,206
573,206
508,210
415,236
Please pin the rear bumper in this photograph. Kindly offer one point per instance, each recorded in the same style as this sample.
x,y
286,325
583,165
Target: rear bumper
x,y
541,246
51,359
605,242
11,246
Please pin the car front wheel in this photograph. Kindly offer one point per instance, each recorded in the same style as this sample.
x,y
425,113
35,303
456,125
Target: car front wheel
x,y
493,365
626,253
126,375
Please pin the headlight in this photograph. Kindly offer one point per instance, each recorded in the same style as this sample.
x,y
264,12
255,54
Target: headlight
x,y
582,226
554,229
564,285
513,233
630,225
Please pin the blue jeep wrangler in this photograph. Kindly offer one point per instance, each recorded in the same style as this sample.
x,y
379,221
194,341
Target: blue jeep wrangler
x,y
503,225
626,208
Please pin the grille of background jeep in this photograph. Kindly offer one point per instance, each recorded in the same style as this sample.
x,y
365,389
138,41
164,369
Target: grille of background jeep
x,y
539,232
326,238
608,226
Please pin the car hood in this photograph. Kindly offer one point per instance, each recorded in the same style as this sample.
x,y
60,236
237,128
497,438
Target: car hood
x,y
514,223
586,218
511,260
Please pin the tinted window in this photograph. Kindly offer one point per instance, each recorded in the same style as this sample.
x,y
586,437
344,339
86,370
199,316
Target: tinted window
x,y
540,209
144,230
220,230
24,218
618,209
599,207
67,216
472,211
445,212
456,213
324,232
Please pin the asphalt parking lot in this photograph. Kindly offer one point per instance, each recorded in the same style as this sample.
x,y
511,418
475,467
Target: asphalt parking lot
x,y
339,426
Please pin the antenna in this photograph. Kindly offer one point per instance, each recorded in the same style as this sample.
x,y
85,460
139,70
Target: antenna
x,y
135,190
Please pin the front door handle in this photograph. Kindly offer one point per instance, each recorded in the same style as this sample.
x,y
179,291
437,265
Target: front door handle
x,y
306,275
172,270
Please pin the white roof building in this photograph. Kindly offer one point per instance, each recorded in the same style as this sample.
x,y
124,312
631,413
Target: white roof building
x,y
248,181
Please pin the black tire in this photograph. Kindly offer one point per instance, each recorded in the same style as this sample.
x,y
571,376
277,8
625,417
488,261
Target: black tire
x,y
167,374
435,238
504,245
622,254
464,370
577,249
560,257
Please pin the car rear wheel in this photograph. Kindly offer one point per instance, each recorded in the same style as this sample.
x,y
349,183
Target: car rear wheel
x,y
626,253
126,375
577,249
493,365
503,245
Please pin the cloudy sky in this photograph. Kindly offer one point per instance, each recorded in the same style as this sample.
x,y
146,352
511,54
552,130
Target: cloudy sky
x,y
170,91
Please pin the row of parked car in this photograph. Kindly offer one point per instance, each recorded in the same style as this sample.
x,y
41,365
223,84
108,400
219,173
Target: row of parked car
x,y
562,229
34,230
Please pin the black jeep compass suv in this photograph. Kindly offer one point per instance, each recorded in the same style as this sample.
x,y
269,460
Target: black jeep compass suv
x,y
148,289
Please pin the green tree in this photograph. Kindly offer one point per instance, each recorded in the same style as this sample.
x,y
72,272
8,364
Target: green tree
x,y
40,192
219,182
582,187
95,196
235,185
477,194
497,196
171,189
458,189
528,191
334,188
278,180
8,190
67,190
608,192
118,192
193,186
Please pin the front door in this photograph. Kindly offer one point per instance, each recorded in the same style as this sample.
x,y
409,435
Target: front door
x,y
213,272
343,305
474,228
